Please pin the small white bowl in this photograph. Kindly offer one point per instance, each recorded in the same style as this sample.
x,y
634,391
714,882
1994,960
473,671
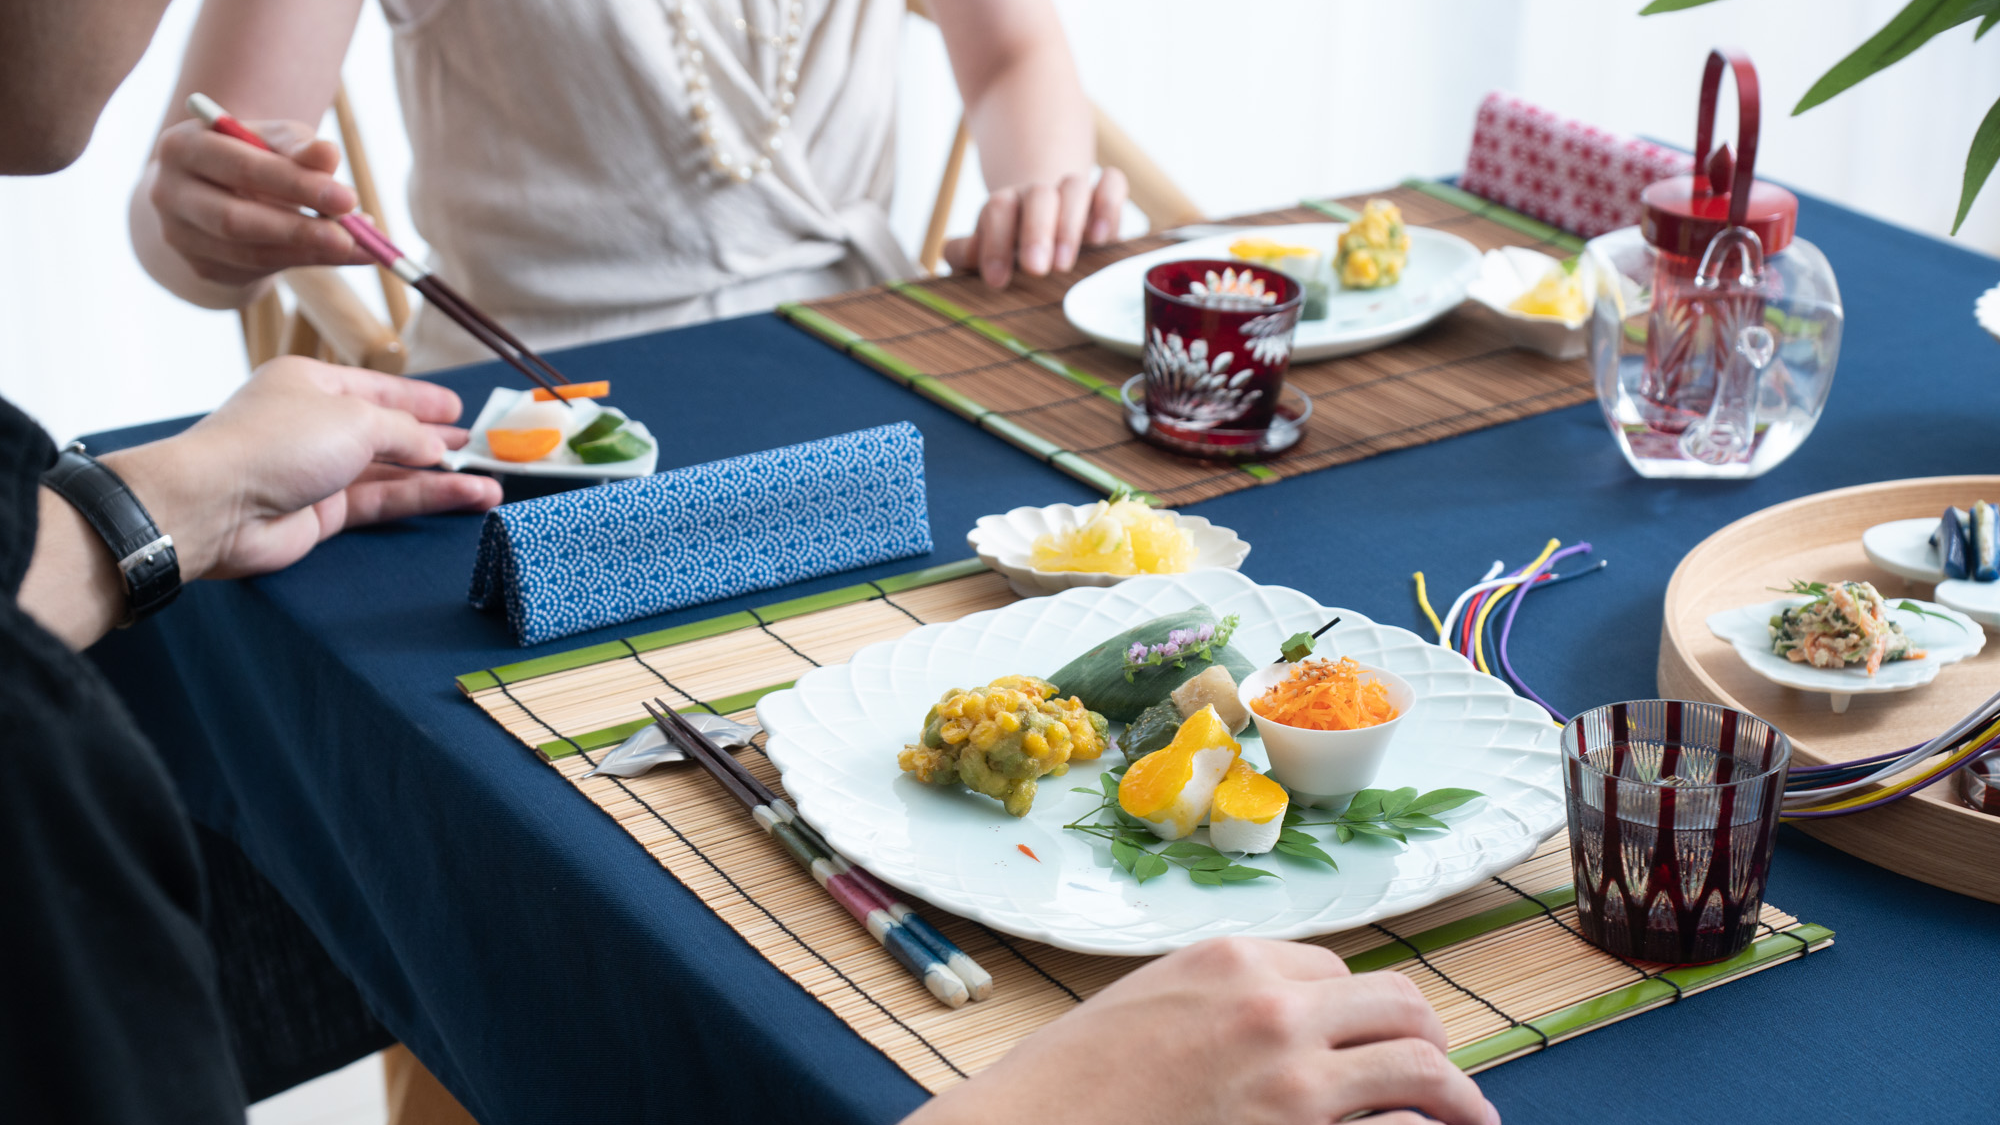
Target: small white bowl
x,y
1323,768
1006,543
1510,271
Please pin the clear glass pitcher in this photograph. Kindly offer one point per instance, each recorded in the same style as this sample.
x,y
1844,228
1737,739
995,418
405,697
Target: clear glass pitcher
x,y
1714,330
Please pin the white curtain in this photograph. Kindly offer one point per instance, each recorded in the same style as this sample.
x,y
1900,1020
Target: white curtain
x,y
1248,104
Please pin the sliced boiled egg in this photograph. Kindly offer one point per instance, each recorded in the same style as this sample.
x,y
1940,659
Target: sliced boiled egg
x,y
1171,788
1247,812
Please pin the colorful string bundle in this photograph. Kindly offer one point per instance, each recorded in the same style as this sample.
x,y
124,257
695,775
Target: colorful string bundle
x,y
1463,628
1844,788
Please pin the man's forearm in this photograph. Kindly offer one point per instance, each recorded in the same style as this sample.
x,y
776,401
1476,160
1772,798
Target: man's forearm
x,y
72,588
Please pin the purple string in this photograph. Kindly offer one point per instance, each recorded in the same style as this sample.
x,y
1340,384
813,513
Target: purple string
x,y
1886,798
1507,627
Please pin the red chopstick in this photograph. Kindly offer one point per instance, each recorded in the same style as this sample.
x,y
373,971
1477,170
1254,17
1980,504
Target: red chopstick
x,y
448,301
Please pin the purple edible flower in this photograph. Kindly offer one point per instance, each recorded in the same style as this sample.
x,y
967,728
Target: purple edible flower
x,y
1205,634
1137,652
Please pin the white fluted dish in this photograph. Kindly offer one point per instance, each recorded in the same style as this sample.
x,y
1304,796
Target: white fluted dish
x,y
1006,543
836,734
1946,636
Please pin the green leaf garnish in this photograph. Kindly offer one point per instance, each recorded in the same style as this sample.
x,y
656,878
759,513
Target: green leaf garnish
x,y
1909,606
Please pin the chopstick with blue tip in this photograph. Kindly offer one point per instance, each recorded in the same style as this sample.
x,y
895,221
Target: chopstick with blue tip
x,y
776,810
895,938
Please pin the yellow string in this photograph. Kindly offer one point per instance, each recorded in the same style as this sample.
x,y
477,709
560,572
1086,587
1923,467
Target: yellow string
x,y
1967,749
1486,607
1424,603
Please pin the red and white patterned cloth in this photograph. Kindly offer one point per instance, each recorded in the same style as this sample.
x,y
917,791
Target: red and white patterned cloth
x,y
1575,176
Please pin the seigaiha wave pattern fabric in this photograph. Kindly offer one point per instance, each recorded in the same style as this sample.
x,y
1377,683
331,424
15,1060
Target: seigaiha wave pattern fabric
x,y
558,565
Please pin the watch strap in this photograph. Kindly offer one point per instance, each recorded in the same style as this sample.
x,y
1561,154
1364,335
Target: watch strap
x,y
145,555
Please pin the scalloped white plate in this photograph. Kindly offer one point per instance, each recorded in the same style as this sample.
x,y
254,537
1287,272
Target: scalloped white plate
x,y
1006,543
835,737
563,462
1109,306
1748,629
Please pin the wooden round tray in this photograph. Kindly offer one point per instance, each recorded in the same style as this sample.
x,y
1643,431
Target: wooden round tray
x,y
1930,836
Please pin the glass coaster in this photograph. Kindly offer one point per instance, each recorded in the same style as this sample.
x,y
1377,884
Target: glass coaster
x,y
1288,424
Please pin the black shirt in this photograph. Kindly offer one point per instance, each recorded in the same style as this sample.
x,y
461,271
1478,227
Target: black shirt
x,y
109,1009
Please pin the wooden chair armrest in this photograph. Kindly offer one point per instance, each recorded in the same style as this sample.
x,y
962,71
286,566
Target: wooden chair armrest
x,y
344,322
1164,205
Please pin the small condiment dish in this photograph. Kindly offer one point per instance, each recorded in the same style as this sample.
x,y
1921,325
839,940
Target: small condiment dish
x,y
1507,273
1006,543
1323,768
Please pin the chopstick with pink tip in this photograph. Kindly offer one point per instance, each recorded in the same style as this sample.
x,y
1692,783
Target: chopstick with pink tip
x,y
902,931
413,273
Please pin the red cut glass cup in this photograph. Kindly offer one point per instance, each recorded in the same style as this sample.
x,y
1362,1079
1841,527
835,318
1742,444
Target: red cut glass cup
x,y
1673,808
1218,344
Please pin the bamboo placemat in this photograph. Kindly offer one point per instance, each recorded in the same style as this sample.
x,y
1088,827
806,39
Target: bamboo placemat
x,y
1501,962
1009,362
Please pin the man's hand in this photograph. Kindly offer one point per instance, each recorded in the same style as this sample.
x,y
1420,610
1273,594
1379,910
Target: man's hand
x,y
232,210
303,451
1040,226
1233,1029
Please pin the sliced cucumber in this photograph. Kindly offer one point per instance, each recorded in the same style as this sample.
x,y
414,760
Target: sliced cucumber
x,y
623,445
600,427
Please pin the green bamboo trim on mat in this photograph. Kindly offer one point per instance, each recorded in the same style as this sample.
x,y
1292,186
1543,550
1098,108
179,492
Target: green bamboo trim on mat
x,y
714,626
1332,209
820,323
1004,338
1633,998
1465,929
1505,216
611,736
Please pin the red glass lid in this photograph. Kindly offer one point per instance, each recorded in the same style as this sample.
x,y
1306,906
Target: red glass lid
x,y
1682,214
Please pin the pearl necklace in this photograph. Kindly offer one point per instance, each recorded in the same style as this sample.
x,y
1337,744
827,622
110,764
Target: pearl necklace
x,y
788,42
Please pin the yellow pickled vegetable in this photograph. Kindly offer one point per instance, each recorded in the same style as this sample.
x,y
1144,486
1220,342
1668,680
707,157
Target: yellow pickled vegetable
x,y
1558,294
1118,537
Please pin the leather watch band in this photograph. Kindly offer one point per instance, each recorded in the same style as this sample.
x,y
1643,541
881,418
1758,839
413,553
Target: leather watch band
x,y
145,555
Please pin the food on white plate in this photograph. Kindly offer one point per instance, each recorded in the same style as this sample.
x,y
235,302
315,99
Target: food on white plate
x,y
1327,695
1845,624
1213,687
1303,264
1000,739
1171,789
1248,811
1374,247
540,426
1119,536
1559,294
1141,666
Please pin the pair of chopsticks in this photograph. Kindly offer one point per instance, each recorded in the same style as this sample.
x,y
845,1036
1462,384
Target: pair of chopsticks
x,y
448,301
944,968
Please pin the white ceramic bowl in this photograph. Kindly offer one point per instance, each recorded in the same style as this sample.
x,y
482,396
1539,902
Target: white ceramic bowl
x,y
1510,271
1007,544
1323,768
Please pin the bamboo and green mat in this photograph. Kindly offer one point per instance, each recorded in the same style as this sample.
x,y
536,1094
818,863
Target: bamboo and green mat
x,y
1501,962
1008,362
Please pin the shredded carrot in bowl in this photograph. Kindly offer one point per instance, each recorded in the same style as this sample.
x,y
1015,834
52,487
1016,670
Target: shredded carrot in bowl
x,y
1327,695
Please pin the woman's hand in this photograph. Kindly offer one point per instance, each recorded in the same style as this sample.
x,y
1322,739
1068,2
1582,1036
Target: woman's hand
x,y
231,210
303,451
1234,1029
1041,227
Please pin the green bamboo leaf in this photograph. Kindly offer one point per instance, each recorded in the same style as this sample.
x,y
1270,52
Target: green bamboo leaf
x,y
1307,851
1237,873
1148,866
1658,6
1442,800
1206,878
1125,853
1985,153
1396,802
1917,24
1417,820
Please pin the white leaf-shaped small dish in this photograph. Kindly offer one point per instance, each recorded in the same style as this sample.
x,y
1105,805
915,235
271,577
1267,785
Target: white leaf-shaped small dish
x,y
564,462
1946,639
1006,543
1510,271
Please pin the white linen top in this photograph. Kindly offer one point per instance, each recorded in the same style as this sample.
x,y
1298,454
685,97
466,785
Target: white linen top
x,y
562,187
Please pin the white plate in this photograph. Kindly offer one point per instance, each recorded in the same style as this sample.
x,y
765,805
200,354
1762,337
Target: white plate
x,y
1903,548
1977,600
1109,306
1006,543
835,737
1748,628
563,462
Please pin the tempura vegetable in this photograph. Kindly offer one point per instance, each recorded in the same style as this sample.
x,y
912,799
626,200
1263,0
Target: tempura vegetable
x,y
1373,248
1000,739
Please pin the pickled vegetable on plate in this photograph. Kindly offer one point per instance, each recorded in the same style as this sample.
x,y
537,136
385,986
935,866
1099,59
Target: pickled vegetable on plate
x,y
1119,536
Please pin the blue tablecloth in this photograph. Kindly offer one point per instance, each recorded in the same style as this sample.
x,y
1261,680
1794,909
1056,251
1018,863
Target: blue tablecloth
x,y
549,970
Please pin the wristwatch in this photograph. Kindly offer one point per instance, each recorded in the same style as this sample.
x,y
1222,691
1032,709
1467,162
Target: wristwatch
x,y
145,555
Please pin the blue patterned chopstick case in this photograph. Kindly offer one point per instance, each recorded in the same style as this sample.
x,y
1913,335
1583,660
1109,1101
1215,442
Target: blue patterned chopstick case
x,y
578,560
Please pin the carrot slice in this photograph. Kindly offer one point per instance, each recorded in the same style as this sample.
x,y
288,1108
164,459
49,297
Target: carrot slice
x,y
599,389
522,445
1326,695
